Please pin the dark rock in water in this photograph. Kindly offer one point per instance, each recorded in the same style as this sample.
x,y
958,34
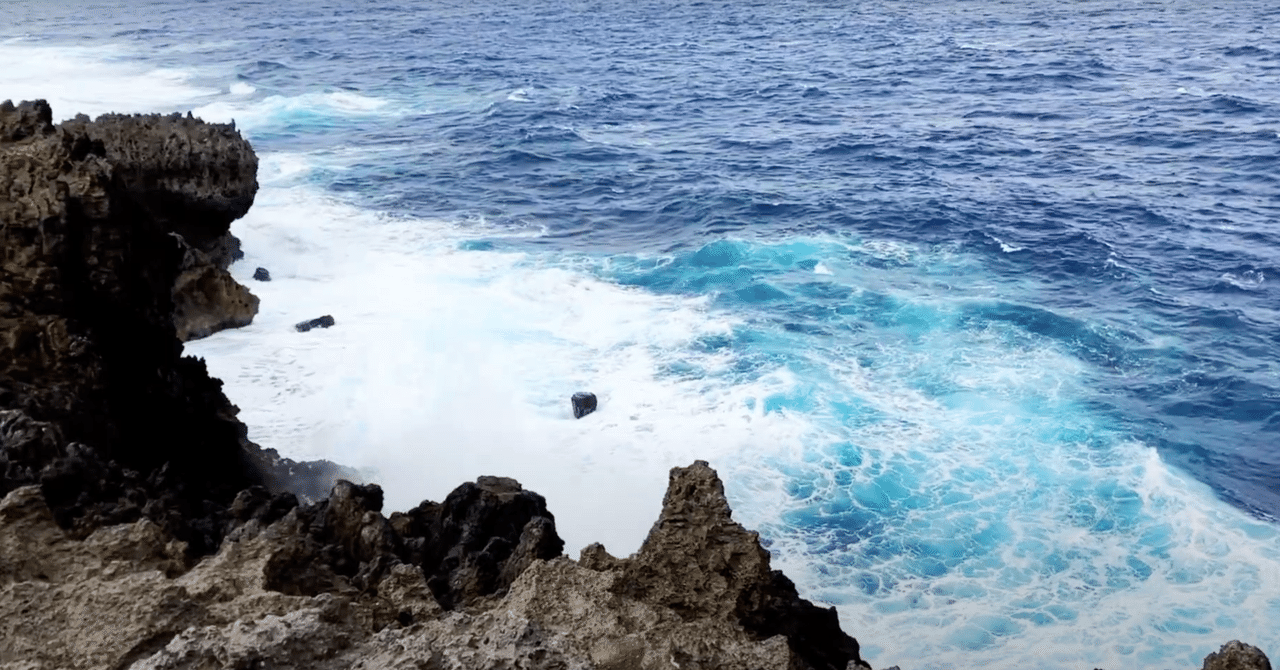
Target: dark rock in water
x,y
1236,655
318,322
584,403
261,274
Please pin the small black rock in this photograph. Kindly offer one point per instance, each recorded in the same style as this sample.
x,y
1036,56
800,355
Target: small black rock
x,y
318,322
584,403
261,274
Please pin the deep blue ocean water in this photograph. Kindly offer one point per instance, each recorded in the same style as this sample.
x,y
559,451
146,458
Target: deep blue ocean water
x,y
972,304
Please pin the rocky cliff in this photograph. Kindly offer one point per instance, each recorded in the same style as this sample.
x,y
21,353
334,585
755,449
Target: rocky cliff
x,y
140,528
97,404
336,585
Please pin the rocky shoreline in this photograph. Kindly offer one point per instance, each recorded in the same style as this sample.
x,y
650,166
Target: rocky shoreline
x,y
141,528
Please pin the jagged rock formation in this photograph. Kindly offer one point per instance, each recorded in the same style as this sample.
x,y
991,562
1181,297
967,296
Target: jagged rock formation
x,y
698,562
475,581
1236,655
193,179
100,408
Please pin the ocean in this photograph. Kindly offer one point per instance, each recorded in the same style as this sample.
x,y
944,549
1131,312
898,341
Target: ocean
x,y
973,305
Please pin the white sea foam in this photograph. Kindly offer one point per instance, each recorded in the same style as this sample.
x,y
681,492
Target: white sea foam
x,y
1248,280
1005,247
1001,527
312,110
93,81
445,365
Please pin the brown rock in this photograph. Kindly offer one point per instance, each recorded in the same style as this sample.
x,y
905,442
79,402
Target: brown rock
x,y
192,178
73,604
25,120
120,599
700,563
87,341
207,299
1236,655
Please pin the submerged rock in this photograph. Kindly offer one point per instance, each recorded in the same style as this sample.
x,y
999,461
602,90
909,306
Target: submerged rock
x,y
583,403
318,322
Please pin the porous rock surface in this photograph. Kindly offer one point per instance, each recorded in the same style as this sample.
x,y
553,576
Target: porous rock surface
x,y
1236,655
193,179
698,562
474,582
99,221
97,404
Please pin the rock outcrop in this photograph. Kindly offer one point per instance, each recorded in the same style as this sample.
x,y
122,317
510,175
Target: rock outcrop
x,y
698,562
100,407
104,226
206,298
1236,655
193,179
475,581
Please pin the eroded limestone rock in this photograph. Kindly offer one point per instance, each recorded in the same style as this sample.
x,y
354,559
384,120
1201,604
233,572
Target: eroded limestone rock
x,y
243,607
206,298
88,265
699,562
193,179
1236,655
